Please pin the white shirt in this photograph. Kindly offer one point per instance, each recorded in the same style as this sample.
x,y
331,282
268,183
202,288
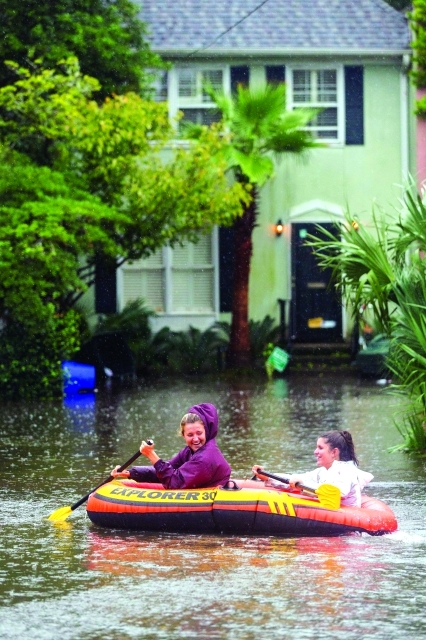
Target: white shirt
x,y
345,476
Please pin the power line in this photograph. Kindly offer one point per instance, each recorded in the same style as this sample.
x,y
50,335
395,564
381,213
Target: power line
x,y
229,29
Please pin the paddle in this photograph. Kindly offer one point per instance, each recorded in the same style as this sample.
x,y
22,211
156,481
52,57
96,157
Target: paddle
x,y
62,513
328,495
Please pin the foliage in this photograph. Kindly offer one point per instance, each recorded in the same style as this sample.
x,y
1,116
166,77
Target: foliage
x,y
413,432
105,35
132,321
45,227
260,127
418,24
30,360
50,114
193,352
106,191
112,151
387,271
152,355
361,264
262,334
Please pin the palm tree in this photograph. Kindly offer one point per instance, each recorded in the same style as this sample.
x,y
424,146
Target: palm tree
x,y
260,132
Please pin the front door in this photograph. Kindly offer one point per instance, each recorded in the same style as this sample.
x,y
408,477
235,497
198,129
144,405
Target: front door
x,y
316,308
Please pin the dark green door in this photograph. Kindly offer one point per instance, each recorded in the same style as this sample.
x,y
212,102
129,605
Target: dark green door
x,y
316,309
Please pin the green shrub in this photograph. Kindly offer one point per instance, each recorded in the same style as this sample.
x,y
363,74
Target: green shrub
x,y
30,361
264,336
132,321
152,355
194,351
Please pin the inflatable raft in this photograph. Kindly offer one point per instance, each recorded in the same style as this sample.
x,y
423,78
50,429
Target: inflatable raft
x,y
244,507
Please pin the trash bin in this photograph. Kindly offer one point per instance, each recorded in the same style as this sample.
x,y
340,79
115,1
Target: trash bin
x,y
78,377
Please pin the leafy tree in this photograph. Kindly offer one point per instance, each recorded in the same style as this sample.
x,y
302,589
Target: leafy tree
x,y
260,130
30,360
107,192
45,226
113,152
105,35
418,74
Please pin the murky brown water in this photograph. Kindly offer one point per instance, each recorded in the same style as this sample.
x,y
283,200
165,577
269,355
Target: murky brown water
x,y
77,581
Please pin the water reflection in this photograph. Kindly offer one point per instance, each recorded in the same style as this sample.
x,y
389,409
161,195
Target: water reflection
x,y
81,410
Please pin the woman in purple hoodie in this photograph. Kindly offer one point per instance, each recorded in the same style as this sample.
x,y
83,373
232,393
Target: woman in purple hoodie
x,y
199,464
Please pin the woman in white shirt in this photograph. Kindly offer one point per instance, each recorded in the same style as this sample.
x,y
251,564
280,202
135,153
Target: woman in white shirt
x,y
338,465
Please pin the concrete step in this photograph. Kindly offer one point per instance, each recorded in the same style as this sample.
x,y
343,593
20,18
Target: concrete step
x,y
320,355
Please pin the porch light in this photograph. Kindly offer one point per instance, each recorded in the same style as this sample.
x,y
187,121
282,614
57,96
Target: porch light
x,y
279,228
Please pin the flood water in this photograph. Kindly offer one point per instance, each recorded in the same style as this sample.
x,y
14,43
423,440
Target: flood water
x,y
78,581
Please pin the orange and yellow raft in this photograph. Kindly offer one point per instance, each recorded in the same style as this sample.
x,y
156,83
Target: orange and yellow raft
x,y
247,507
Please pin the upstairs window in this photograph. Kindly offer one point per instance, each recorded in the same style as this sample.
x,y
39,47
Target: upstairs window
x,y
192,97
319,88
160,88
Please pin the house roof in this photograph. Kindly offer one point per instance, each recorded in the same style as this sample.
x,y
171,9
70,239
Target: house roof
x,y
179,27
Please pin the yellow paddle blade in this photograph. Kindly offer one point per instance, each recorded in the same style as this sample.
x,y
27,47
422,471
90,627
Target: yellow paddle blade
x,y
329,496
60,514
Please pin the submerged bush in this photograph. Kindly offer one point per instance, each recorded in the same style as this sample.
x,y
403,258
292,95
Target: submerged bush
x,y
194,351
30,361
263,333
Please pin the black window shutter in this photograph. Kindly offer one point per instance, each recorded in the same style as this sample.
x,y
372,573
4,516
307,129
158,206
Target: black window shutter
x,y
226,268
275,74
105,286
354,100
239,76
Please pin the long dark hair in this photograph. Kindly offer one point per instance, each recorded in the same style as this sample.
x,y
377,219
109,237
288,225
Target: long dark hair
x,y
341,440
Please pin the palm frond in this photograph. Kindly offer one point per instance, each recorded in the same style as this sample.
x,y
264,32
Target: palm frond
x,y
258,168
412,225
257,108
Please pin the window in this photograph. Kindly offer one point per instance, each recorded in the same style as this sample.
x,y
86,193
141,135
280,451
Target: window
x,y
193,99
192,277
160,85
319,88
174,281
145,279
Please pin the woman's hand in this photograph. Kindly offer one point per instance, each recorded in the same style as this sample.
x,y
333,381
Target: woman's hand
x,y
115,473
147,449
257,472
294,479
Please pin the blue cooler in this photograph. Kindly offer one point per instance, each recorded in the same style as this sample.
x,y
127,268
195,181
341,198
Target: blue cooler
x,y
78,377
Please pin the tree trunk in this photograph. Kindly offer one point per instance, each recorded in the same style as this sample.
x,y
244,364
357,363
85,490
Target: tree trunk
x,y
239,354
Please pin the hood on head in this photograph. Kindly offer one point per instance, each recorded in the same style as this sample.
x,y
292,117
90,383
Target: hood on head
x,y
209,418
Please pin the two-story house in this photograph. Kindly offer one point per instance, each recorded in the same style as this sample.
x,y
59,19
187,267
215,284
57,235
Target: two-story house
x,y
351,59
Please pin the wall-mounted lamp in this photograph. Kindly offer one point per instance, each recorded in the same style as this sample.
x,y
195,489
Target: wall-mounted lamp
x,y
279,228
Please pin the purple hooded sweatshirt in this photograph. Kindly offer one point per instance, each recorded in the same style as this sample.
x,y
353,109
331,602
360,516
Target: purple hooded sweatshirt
x,y
205,467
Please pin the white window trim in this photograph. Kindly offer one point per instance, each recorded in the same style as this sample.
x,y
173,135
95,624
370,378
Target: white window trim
x,y
167,254
331,142
173,87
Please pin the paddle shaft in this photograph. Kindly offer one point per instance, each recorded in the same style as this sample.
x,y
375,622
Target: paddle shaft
x,y
286,481
123,466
